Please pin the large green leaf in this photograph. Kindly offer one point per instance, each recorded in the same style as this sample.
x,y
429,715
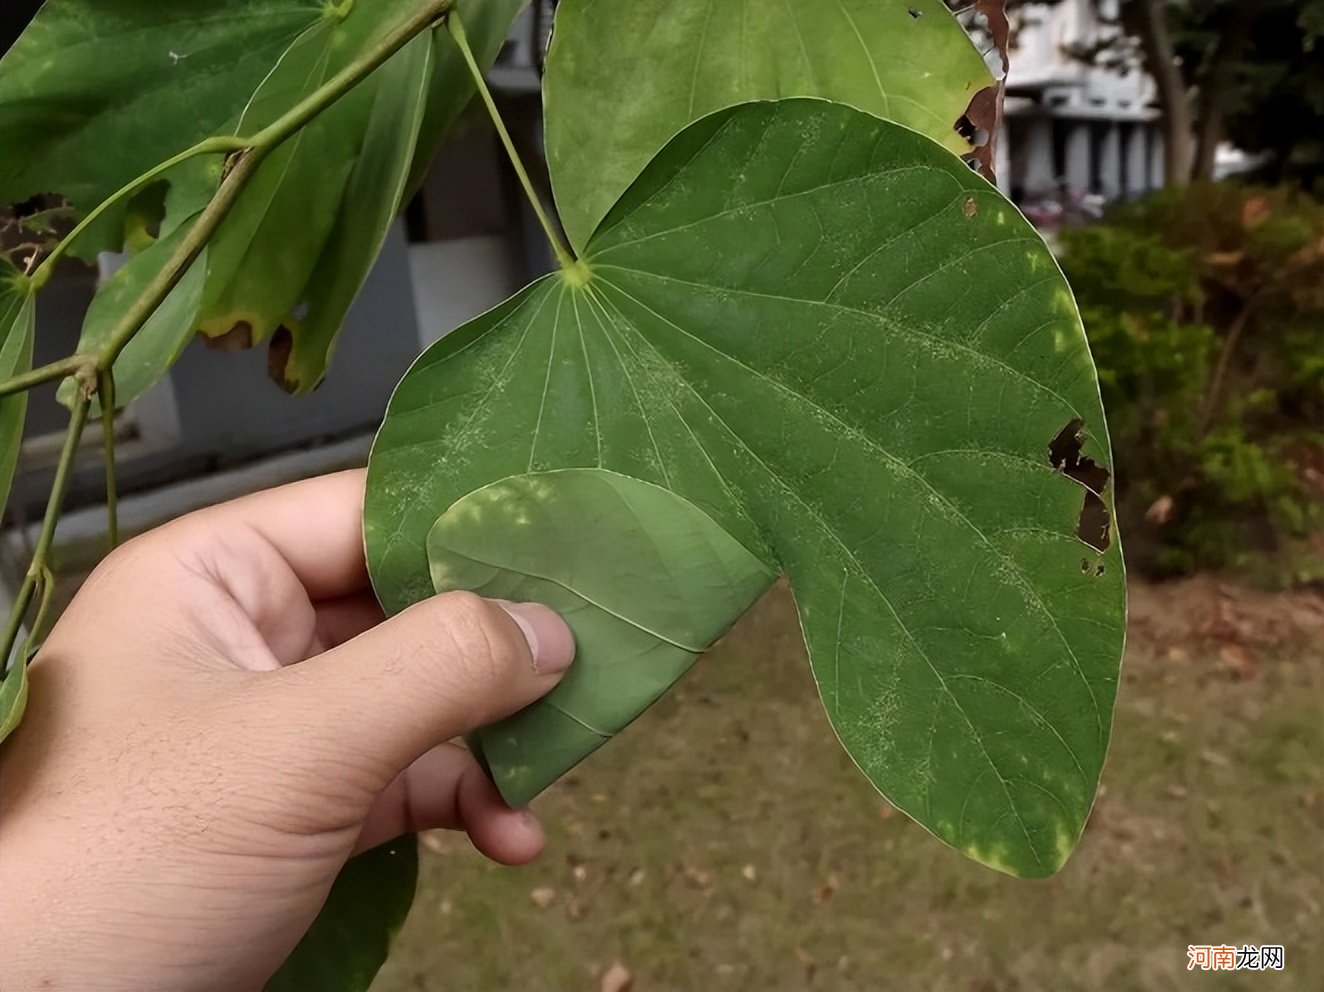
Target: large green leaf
x,y
853,354
645,579
623,76
349,940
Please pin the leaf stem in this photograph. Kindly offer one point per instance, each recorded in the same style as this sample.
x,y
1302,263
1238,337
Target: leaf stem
x,y
106,397
564,257
63,471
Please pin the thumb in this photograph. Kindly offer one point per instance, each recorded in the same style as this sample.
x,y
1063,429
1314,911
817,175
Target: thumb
x,y
441,668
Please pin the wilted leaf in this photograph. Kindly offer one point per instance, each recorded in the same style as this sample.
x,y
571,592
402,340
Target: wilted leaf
x,y
617,978
611,106
351,936
96,93
791,321
543,897
372,195
645,580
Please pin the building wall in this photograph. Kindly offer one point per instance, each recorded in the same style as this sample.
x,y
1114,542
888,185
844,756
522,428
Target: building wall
x,y
1076,127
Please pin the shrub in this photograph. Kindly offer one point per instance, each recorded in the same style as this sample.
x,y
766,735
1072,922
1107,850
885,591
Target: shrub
x,y
1205,310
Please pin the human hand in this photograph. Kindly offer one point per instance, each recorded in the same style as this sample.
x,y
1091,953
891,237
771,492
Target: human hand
x,y
219,720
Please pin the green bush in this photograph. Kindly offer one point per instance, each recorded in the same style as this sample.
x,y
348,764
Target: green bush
x,y
1205,310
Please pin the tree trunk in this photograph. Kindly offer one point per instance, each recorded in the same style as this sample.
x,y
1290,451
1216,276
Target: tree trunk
x,y
1147,19
1216,84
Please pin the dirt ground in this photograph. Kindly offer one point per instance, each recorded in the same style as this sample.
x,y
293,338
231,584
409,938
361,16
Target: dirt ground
x,y
726,843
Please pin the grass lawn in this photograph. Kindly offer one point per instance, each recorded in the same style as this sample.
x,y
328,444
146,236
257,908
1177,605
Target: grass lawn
x,y
725,842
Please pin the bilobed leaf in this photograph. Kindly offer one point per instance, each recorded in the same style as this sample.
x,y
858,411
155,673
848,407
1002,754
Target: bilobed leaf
x,y
347,943
853,354
645,579
624,76
161,340
18,313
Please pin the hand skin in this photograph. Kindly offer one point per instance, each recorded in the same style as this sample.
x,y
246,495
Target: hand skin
x,y
219,720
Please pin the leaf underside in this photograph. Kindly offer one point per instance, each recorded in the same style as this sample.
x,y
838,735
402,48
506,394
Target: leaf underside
x,y
644,578
853,354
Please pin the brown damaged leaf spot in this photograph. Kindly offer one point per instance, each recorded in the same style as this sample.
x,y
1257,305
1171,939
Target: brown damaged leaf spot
x,y
237,338
278,358
1064,454
970,207
982,118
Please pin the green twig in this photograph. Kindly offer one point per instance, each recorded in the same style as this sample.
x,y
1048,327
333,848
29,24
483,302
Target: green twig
x,y
72,365
212,145
63,470
106,397
89,369
563,255
46,584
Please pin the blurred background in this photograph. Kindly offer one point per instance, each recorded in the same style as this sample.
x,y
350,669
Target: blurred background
x,y
1173,155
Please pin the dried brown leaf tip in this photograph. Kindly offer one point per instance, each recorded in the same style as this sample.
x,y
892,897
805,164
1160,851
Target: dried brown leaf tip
x,y
983,116
1064,454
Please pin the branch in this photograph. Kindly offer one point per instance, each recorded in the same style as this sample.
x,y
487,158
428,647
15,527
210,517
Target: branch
x,y
106,397
38,566
93,370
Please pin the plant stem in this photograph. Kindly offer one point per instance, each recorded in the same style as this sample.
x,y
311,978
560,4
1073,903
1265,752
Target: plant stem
x,y
106,397
206,146
63,470
246,155
55,370
350,76
563,255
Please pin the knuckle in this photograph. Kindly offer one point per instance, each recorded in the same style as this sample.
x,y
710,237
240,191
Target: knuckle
x,y
481,648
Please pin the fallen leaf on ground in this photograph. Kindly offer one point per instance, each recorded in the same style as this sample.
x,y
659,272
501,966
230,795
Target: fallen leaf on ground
x,y
828,889
543,897
698,878
1239,662
617,978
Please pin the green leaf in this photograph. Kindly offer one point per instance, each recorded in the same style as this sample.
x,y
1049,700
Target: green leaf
x,y
162,338
17,324
18,313
624,76
855,356
260,259
372,195
349,940
645,579
96,92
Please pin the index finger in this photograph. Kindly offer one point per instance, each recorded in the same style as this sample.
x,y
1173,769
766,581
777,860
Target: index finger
x,y
315,526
